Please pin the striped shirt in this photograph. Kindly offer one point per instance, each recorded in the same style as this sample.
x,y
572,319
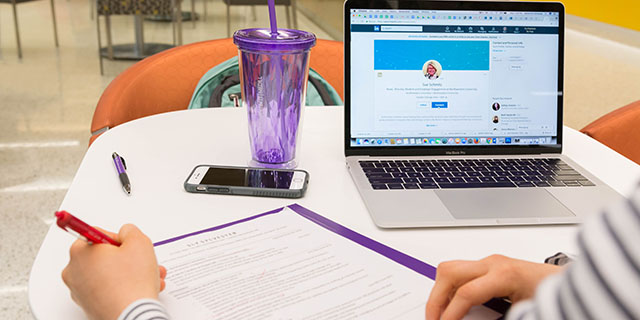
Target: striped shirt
x,y
144,309
604,280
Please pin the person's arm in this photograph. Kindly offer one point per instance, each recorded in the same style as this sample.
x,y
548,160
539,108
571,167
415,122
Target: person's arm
x,y
144,309
461,285
603,283
105,279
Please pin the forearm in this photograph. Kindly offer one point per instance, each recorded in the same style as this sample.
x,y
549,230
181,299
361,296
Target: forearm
x,y
604,282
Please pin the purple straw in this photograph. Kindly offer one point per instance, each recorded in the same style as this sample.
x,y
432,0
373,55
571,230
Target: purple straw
x,y
272,18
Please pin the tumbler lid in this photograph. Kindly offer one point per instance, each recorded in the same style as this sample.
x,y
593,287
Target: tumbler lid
x,y
260,39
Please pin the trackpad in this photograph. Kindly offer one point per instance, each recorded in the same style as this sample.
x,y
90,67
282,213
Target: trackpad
x,y
502,203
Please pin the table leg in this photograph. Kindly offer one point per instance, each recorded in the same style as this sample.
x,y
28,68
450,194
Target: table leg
x,y
295,15
139,35
286,9
107,21
133,51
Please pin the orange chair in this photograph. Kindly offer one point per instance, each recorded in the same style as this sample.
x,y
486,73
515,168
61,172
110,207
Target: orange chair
x,y
165,81
619,130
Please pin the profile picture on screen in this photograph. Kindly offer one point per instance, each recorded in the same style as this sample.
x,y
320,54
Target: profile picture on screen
x,y
496,119
495,106
432,69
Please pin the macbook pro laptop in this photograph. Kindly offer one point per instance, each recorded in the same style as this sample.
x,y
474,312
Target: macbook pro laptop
x,y
453,114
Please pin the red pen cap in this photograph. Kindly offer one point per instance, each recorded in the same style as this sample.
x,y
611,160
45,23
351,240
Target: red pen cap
x,y
63,219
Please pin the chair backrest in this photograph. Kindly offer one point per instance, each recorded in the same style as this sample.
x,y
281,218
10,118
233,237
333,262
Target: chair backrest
x,y
327,59
165,81
254,2
130,7
619,130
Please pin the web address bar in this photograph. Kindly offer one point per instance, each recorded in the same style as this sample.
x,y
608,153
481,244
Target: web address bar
x,y
402,28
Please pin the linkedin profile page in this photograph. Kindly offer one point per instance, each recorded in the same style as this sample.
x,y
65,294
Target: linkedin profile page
x,y
447,84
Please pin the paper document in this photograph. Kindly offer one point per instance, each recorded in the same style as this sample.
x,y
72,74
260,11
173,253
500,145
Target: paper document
x,y
290,263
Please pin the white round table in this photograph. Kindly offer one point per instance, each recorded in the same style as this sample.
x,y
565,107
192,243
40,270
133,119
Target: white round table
x,y
161,150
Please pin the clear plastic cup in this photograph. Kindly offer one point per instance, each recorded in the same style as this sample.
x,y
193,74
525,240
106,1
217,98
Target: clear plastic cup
x,y
273,77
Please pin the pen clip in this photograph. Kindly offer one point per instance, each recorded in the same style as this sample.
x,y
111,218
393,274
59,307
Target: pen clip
x,y
117,156
77,235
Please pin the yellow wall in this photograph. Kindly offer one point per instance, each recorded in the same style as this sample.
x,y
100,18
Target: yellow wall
x,y
623,13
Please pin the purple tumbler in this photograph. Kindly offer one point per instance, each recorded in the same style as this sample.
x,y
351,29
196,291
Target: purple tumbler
x,y
273,76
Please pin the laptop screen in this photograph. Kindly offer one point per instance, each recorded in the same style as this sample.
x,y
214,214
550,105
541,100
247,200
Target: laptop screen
x,y
453,78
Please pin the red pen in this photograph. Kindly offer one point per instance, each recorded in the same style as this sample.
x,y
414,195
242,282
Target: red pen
x,y
83,231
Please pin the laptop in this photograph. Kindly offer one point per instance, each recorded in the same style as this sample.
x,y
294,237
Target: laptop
x,y
453,115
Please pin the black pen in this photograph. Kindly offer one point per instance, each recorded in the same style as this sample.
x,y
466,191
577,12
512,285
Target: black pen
x,y
121,166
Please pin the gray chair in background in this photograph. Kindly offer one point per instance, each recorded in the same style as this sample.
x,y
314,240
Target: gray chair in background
x,y
138,50
14,3
289,4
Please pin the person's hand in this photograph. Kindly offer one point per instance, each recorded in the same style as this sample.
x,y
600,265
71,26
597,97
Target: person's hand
x,y
461,285
104,279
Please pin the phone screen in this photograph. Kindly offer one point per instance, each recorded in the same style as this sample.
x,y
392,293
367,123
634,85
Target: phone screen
x,y
256,178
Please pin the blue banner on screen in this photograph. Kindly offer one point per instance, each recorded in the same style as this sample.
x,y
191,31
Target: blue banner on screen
x,y
412,54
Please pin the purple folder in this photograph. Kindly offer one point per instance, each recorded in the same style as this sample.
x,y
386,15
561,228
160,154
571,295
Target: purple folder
x,y
412,263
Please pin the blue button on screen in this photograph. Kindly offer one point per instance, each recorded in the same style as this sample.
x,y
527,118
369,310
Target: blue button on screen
x,y
439,104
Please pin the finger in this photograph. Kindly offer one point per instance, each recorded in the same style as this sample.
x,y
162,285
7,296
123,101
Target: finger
x,y
449,276
65,275
476,292
128,230
109,233
73,297
77,247
163,272
131,232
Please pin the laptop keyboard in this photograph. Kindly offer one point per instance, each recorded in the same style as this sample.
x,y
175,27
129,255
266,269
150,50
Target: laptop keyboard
x,y
471,173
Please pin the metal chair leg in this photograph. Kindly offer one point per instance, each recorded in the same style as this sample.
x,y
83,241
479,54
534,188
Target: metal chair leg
x,y
91,9
193,12
15,20
99,44
295,15
228,22
204,3
179,13
55,25
253,13
173,21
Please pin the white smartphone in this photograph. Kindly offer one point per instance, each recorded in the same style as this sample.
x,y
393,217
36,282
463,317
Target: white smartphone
x,y
280,183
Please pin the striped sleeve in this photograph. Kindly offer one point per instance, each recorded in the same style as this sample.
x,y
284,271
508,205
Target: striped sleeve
x,y
144,309
604,281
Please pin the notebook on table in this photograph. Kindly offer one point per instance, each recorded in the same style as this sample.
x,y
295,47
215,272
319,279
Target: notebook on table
x,y
453,115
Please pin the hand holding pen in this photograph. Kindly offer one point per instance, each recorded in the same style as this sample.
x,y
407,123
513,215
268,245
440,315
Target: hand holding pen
x,y
121,167
105,279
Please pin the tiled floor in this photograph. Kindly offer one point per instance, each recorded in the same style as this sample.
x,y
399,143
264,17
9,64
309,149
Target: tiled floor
x,y
48,97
